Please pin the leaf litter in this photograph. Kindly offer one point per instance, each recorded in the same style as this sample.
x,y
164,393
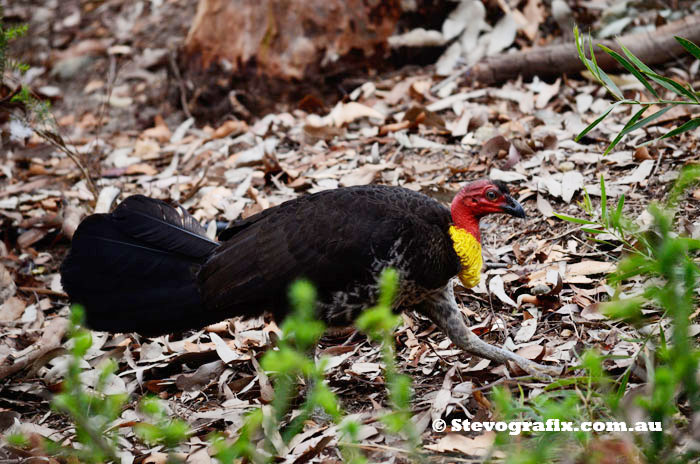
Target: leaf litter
x,y
408,129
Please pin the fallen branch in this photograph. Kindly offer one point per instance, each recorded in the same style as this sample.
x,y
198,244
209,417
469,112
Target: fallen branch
x,y
652,48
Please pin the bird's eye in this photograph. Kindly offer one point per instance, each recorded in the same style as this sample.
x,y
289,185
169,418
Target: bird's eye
x,y
491,195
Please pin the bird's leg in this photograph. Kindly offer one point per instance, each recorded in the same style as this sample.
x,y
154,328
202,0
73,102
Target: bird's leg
x,y
442,309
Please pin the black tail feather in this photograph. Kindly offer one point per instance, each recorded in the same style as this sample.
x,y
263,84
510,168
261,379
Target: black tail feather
x,y
135,269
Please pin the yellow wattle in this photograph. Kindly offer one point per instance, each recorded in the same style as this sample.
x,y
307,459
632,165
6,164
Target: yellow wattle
x,y
468,249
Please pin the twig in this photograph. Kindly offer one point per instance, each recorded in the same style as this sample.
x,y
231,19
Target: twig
x,y
195,188
57,141
180,83
42,291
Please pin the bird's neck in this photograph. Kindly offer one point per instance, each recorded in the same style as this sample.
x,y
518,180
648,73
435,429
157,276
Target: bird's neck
x,y
465,219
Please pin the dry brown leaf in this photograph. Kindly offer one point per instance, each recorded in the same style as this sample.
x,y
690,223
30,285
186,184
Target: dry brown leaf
x,y
12,309
544,206
362,176
477,446
534,14
589,267
532,352
344,113
159,131
592,313
141,168
443,397
222,349
230,128
496,287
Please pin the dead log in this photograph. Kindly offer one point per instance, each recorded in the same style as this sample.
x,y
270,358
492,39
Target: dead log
x,y
652,48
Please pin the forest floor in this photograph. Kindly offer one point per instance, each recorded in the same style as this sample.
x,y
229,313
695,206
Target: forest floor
x,y
112,102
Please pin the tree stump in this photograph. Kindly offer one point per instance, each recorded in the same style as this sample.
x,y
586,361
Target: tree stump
x,y
252,54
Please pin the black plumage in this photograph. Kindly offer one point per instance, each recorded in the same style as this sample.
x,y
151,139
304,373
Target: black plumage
x,y
148,267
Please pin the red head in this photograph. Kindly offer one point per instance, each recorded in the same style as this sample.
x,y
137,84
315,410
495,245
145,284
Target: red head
x,y
477,199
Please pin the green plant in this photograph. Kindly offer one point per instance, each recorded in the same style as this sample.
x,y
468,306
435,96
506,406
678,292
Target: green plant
x,y
95,414
300,333
667,264
32,111
379,324
7,35
644,74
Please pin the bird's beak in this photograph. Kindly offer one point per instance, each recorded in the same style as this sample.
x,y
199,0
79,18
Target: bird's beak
x,y
513,208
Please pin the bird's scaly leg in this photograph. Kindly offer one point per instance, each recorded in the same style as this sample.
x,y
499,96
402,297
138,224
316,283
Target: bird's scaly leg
x,y
442,309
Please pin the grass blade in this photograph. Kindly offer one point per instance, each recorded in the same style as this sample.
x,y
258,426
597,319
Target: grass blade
x,y
592,231
575,220
690,125
647,120
629,67
603,202
596,122
637,62
624,130
672,85
689,46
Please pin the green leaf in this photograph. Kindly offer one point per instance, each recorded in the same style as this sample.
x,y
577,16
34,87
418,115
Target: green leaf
x,y
603,201
624,130
575,220
672,85
596,122
647,120
618,395
592,231
689,46
637,62
602,76
615,219
690,125
629,67
609,84
579,48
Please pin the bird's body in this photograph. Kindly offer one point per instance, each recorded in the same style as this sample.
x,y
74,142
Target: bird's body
x,y
148,267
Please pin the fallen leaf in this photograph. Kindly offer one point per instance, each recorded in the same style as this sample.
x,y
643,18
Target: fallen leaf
x,y
222,349
532,352
526,331
589,267
344,113
228,128
639,174
477,446
11,309
544,206
496,287
592,313
571,182
363,175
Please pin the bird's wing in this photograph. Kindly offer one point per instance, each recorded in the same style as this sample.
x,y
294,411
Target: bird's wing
x,y
335,238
